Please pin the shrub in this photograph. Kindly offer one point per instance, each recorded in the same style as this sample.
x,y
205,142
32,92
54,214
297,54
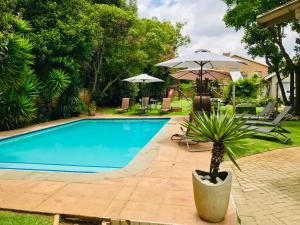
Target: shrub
x,y
16,110
245,88
259,101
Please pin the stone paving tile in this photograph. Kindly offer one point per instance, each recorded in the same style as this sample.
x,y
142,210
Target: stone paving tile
x,y
267,190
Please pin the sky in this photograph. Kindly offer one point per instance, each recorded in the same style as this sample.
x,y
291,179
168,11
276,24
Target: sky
x,y
204,24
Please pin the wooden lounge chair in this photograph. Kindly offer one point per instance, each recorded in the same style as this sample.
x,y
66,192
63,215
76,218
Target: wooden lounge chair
x,y
276,122
124,106
264,114
166,105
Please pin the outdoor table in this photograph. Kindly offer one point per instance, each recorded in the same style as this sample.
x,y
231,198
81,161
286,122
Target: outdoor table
x,y
153,101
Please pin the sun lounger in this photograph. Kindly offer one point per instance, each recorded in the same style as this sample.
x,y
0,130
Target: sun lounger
x,y
166,105
264,114
124,106
276,122
183,137
273,131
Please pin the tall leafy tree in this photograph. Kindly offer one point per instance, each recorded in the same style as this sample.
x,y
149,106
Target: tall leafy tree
x,y
18,83
266,42
115,51
126,46
159,41
62,40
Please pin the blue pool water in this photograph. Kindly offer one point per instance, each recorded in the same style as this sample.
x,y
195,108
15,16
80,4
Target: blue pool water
x,y
84,146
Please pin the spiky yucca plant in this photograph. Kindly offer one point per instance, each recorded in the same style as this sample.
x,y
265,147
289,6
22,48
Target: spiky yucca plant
x,y
222,129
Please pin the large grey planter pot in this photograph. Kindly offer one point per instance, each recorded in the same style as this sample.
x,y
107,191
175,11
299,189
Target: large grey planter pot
x,y
212,199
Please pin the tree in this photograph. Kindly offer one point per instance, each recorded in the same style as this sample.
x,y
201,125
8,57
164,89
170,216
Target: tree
x,y
132,6
74,44
116,53
118,3
62,40
242,15
126,46
259,43
18,83
160,41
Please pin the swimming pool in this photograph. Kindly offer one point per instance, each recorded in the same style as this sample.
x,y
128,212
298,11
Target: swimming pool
x,y
87,146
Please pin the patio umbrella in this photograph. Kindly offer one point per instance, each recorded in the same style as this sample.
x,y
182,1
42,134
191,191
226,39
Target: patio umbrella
x,y
202,59
143,78
210,74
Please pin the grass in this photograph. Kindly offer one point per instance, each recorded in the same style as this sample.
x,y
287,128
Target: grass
x,y
262,143
155,111
11,218
249,146
185,104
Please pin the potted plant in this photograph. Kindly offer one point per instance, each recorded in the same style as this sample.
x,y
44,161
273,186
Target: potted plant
x,y
212,189
92,109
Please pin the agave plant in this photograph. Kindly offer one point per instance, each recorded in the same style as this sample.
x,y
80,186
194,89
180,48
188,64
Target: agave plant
x,y
223,130
16,110
56,83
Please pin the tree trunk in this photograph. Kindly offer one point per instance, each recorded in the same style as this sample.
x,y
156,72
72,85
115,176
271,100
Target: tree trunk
x,y
216,159
292,89
279,80
108,85
289,62
281,87
97,67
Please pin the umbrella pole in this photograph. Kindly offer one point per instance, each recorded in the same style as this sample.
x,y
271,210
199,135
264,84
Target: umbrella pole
x,y
233,97
201,86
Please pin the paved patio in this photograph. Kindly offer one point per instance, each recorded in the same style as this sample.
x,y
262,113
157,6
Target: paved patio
x,y
160,192
267,191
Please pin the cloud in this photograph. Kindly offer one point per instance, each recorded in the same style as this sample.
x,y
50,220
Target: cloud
x,y
204,24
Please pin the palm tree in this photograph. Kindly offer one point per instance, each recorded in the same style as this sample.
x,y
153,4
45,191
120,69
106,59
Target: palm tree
x,y
223,130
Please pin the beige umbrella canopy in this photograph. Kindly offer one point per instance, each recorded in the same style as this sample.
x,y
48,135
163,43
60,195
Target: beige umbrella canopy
x,y
210,74
203,59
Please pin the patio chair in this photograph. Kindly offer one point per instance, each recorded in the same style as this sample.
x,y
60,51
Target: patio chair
x,y
276,122
166,105
124,106
144,107
184,136
273,131
264,114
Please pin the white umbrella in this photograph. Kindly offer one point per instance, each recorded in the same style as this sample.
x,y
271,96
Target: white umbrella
x,y
200,58
143,78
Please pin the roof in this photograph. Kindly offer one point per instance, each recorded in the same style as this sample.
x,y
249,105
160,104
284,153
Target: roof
x,y
250,60
269,76
284,13
284,79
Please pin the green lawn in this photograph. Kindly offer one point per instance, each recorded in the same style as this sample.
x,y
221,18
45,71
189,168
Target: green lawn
x,y
257,144
155,111
262,143
11,218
